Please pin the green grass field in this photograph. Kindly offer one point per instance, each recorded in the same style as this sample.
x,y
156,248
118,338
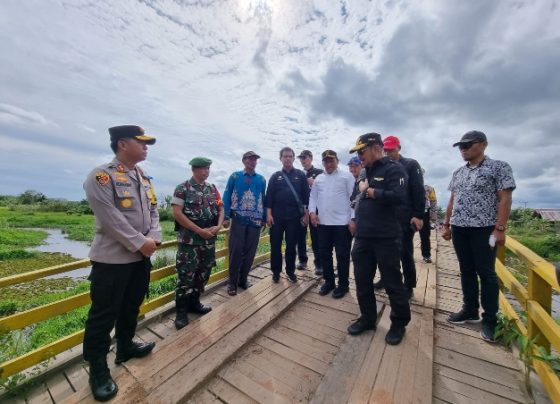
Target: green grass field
x,y
15,259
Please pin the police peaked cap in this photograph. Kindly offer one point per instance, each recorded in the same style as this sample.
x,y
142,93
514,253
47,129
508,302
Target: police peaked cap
x,y
130,131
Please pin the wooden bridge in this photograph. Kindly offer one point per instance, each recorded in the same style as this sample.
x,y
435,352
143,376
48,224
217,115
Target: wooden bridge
x,y
286,343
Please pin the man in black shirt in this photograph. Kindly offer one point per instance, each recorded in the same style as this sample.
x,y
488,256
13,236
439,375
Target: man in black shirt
x,y
306,160
410,213
378,239
287,197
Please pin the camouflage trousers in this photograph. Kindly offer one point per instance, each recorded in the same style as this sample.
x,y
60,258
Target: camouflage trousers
x,y
194,264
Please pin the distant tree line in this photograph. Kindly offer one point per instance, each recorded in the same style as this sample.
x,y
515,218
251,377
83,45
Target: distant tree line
x,y
37,201
32,200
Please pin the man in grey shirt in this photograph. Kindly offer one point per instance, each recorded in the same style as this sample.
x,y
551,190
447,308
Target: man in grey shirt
x,y
476,219
123,200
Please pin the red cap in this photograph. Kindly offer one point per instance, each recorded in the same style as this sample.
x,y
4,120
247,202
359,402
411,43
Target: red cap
x,y
391,142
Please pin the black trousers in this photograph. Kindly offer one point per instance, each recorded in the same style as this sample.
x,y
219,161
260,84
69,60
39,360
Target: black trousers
x,y
367,255
243,243
477,260
407,256
340,238
290,229
302,246
117,291
425,244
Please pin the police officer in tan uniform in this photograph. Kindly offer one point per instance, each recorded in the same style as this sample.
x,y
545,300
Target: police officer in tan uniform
x,y
123,200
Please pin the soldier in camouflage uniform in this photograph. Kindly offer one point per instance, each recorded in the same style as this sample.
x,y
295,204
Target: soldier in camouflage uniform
x,y
199,214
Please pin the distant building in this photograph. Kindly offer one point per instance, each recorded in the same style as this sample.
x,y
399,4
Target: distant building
x,y
549,215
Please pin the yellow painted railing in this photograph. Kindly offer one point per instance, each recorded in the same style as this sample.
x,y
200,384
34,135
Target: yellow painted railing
x,y
32,316
536,300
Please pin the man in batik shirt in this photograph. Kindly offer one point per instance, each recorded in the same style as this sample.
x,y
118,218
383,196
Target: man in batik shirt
x,y
244,208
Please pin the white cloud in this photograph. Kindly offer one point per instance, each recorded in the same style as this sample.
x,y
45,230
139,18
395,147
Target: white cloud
x,y
11,115
218,78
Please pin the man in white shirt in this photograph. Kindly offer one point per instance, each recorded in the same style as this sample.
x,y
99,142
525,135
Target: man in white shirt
x,y
330,195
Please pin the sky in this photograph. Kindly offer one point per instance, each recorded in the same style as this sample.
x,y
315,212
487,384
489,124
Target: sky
x,y
217,78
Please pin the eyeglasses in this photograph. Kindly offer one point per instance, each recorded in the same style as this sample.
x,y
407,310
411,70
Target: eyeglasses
x,y
360,152
467,146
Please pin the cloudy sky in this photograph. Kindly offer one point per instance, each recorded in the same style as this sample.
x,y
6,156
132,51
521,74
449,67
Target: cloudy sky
x,y
217,78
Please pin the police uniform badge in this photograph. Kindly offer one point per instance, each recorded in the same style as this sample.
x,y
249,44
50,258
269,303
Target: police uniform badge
x,y
126,203
120,168
102,178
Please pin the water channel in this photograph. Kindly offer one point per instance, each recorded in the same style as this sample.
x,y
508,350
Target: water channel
x,y
57,242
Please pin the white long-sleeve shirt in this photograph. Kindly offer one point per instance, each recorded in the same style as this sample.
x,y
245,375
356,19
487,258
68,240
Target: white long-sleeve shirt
x,y
330,195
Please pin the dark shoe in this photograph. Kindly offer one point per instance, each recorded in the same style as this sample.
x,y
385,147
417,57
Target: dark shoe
x,y
231,291
378,285
427,260
126,351
340,292
319,271
181,318
275,278
292,278
359,326
326,289
102,384
395,334
195,306
463,317
245,285
302,266
487,332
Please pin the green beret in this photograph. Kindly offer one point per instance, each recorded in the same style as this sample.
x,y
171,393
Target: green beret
x,y
200,162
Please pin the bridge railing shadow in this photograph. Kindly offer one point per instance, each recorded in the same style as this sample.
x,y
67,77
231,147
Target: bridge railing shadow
x,y
536,301
27,318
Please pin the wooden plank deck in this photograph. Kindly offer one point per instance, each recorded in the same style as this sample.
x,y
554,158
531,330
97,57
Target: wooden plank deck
x,y
466,368
285,343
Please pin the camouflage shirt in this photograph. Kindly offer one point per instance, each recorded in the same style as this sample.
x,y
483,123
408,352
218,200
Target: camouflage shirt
x,y
201,205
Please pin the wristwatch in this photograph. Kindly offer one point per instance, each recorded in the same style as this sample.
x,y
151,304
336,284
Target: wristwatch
x,y
500,227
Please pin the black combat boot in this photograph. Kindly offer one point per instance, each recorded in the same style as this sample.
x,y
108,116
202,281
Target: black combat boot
x,y
131,349
102,385
181,319
195,306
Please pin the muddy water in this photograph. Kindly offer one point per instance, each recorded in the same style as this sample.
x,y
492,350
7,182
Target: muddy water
x,y
56,242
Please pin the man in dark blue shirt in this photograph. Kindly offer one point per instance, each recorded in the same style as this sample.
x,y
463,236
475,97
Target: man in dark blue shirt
x,y
306,160
286,202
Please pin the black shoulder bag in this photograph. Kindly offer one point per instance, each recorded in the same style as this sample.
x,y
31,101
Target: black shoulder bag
x,y
298,201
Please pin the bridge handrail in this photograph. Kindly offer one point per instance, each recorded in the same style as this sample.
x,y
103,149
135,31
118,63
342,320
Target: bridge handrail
x,y
44,312
536,299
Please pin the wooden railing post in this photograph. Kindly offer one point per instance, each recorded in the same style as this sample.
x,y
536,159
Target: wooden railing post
x,y
540,292
501,256
501,253
226,240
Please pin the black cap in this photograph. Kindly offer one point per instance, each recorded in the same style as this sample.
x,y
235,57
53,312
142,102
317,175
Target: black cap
x,y
367,140
472,136
329,154
305,153
130,131
250,154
